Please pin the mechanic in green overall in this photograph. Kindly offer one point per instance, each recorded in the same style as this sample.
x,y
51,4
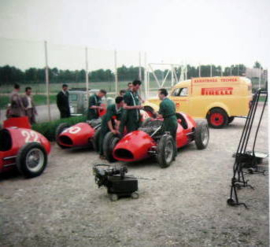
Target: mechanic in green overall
x,y
94,104
132,106
167,110
110,121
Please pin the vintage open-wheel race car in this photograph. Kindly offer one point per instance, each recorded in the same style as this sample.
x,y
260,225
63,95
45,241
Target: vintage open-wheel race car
x,y
79,135
23,148
84,134
149,141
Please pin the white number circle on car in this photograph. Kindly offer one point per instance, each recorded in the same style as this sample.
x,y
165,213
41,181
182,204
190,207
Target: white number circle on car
x,y
73,130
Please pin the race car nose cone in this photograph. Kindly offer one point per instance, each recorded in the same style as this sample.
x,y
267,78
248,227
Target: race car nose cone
x,y
134,146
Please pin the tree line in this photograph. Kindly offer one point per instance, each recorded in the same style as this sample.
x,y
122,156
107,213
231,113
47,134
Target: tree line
x,y
11,74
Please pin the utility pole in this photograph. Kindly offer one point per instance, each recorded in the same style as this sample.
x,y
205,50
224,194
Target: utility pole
x,y
47,80
115,73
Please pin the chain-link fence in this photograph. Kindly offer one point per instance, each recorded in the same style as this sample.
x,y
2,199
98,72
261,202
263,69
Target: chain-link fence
x,y
45,67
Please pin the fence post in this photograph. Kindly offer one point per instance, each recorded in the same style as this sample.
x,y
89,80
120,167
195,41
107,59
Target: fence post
x,y
86,74
172,76
140,67
116,73
146,88
47,80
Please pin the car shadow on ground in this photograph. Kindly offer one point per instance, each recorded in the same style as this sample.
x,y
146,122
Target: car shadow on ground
x,y
11,175
152,161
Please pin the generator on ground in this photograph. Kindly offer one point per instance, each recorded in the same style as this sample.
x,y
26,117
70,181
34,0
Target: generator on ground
x,y
116,181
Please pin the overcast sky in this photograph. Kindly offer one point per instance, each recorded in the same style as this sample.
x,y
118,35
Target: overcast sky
x,y
174,31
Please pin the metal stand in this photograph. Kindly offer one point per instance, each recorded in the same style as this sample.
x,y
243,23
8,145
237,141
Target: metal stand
x,y
244,157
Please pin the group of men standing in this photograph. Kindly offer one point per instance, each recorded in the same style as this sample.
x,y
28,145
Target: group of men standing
x,y
124,116
22,105
121,117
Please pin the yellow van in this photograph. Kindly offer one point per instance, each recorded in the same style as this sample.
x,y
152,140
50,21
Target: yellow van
x,y
218,99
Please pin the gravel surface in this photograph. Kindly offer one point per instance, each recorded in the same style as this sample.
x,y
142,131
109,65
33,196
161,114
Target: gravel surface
x,y
183,205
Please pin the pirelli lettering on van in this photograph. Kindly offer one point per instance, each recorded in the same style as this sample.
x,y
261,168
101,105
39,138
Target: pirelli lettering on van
x,y
217,91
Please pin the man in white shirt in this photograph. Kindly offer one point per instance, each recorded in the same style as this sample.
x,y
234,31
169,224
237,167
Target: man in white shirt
x,y
28,103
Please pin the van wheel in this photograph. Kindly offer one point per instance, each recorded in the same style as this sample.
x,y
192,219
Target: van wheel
x,y
217,118
230,120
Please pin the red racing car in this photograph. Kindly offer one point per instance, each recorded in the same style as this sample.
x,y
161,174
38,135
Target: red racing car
x,y
150,141
22,147
79,135
82,134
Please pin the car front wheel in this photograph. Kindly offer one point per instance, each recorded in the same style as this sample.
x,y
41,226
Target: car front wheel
x,y
166,151
31,160
201,134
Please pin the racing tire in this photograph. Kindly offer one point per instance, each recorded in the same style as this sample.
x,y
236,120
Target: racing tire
x,y
110,141
95,139
31,160
150,111
201,134
60,128
166,151
230,120
217,118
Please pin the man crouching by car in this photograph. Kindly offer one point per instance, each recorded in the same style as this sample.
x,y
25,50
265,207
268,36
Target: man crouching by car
x,y
110,122
167,111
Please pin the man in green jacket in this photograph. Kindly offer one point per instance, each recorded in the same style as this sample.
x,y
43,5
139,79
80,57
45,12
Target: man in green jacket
x,y
132,106
167,110
110,121
94,104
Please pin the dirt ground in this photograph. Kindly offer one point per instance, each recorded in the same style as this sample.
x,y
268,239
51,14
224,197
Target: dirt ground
x,y
183,205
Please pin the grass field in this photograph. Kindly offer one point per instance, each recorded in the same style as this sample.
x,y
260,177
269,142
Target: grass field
x,y
56,87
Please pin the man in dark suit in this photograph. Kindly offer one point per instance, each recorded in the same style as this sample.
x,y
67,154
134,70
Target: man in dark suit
x,y
63,102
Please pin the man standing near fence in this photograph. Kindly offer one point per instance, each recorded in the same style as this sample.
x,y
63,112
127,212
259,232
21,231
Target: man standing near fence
x,y
132,105
63,102
95,104
16,106
28,103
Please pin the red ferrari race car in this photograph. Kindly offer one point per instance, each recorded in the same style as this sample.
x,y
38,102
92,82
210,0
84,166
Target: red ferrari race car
x,y
82,134
150,141
79,135
22,147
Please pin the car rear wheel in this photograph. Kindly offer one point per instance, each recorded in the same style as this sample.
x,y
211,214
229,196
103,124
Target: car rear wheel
x,y
217,118
201,134
95,139
110,141
61,127
166,151
31,159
